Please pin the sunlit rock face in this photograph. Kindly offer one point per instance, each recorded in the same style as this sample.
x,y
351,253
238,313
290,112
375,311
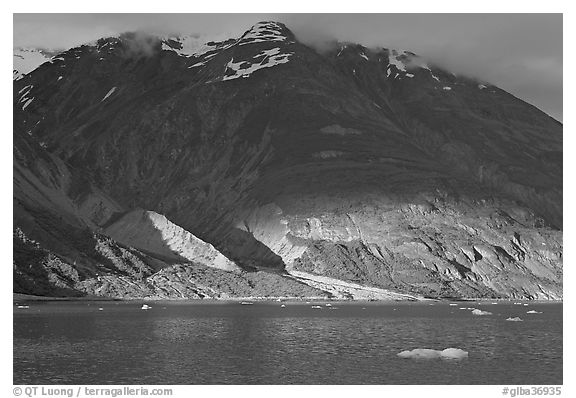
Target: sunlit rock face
x,y
367,166
154,233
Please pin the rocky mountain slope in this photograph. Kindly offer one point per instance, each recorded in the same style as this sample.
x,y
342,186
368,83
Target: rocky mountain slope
x,y
363,167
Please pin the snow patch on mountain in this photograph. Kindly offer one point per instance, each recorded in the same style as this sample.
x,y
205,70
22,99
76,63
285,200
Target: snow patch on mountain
x,y
394,58
263,32
109,93
25,98
26,60
243,69
196,46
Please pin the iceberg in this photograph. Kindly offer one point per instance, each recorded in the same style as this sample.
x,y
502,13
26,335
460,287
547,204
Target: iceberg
x,y
476,311
427,353
515,319
533,312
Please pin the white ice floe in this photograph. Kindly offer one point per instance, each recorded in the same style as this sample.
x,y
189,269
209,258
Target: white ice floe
x,y
109,93
282,306
453,305
316,307
476,311
427,353
533,312
515,319
145,307
23,307
409,75
246,303
446,88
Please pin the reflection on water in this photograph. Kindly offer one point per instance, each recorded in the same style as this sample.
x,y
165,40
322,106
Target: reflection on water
x,y
75,343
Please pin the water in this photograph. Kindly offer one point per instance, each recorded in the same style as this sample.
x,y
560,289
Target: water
x,y
230,343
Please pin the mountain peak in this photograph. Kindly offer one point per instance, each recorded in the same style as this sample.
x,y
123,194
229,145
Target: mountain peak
x,y
266,31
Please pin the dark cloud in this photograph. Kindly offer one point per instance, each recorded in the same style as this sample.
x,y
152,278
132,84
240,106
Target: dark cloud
x,y
522,53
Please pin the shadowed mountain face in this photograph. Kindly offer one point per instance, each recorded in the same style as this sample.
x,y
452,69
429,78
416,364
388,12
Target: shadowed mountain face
x,y
370,167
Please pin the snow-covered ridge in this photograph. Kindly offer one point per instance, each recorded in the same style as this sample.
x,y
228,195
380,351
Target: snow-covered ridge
x,y
263,32
26,60
195,46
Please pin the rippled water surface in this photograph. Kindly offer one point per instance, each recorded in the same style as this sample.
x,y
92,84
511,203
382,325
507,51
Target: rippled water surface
x,y
263,343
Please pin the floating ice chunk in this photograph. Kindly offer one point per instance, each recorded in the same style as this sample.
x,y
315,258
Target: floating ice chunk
x,y
525,305
515,319
145,307
246,303
453,305
427,353
282,306
533,312
327,154
517,303
23,307
316,307
328,305
409,75
100,309
476,311
109,93
453,353
446,88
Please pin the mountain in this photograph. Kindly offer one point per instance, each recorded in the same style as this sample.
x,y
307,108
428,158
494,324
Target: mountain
x,y
350,173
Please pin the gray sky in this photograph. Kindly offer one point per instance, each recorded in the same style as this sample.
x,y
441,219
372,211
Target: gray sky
x,y
522,53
